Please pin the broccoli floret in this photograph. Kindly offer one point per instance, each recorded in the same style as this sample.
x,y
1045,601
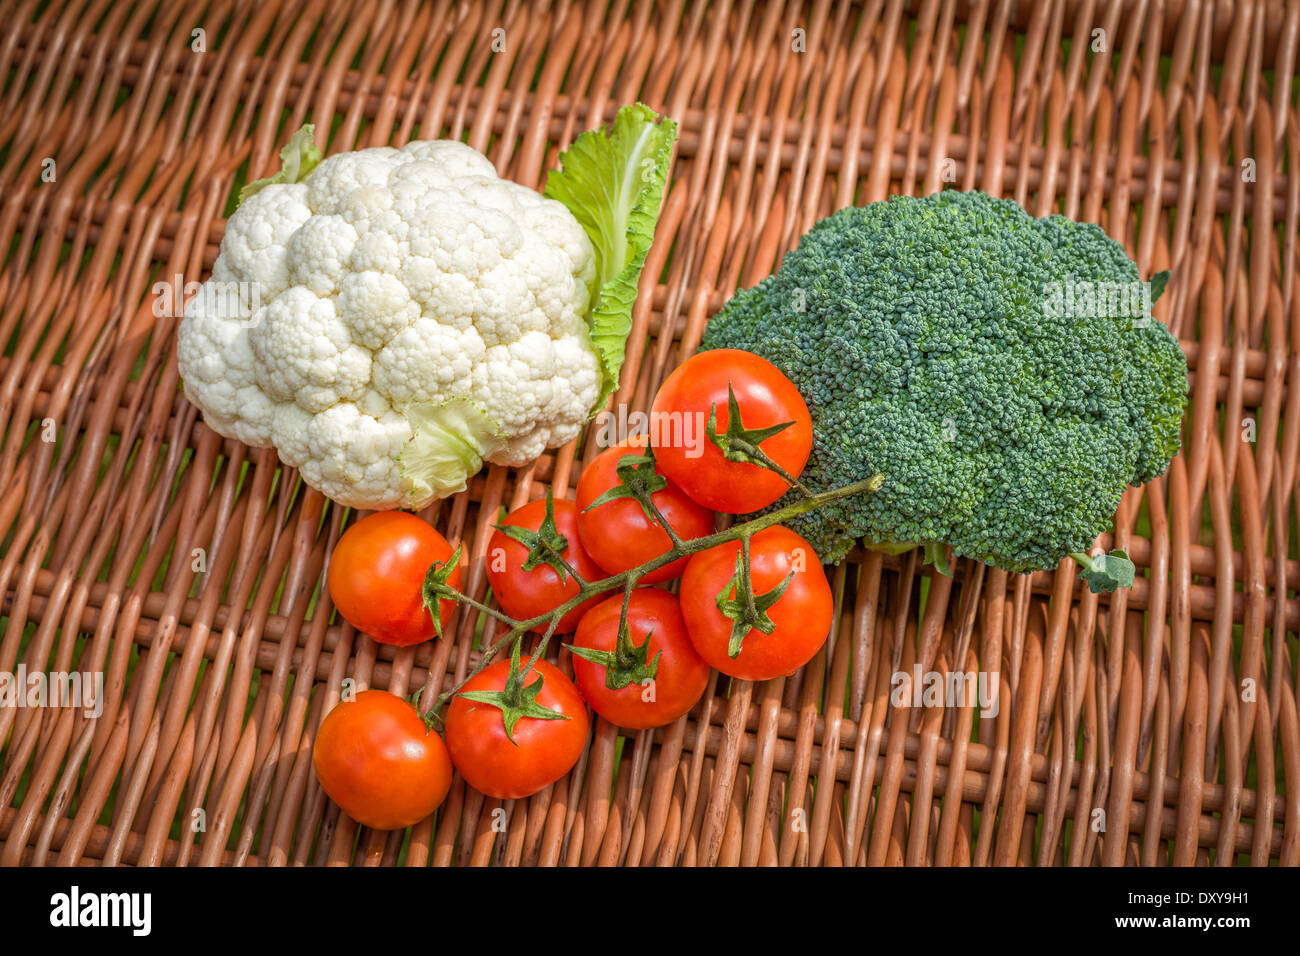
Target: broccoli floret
x,y
1002,372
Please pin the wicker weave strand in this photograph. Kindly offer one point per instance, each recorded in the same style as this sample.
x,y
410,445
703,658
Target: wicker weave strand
x,y
1155,726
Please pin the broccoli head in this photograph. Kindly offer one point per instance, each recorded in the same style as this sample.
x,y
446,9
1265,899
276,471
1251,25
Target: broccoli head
x,y
1002,372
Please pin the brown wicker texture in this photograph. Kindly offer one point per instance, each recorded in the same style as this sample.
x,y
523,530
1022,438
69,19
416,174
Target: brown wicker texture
x,y
1156,726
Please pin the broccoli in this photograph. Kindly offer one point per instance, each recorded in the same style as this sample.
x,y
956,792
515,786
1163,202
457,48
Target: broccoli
x,y
1001,371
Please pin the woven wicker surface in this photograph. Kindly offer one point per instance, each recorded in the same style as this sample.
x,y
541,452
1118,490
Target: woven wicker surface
x,y
1155,726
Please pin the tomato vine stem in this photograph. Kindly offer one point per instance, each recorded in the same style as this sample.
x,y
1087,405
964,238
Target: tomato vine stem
x,y
436,588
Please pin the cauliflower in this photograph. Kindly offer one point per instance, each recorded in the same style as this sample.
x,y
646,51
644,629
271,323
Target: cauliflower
x,y
389,319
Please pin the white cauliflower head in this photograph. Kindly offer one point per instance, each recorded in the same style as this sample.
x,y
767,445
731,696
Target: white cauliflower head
x,y
395,319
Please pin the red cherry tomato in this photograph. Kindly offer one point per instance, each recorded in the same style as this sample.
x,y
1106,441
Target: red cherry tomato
x,y
802,615
378,761
377,572
542,752
618,534
765,398
526,594
681,675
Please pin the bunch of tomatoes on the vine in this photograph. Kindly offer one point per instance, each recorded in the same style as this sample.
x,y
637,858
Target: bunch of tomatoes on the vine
x,y
752,601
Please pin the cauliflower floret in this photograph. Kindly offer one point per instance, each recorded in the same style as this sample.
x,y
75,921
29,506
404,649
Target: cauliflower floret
x,y
289,424
375,306
303,352
333,181
455,157
427,362
256,243
202,353
406,315
318,253
350,449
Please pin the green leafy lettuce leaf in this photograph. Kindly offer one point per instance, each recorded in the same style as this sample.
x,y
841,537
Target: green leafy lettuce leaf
x,y
612,180
298,158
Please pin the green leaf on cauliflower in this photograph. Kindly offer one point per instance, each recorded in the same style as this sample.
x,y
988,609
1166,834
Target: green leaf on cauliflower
x,y
449,444
297,159
613,183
